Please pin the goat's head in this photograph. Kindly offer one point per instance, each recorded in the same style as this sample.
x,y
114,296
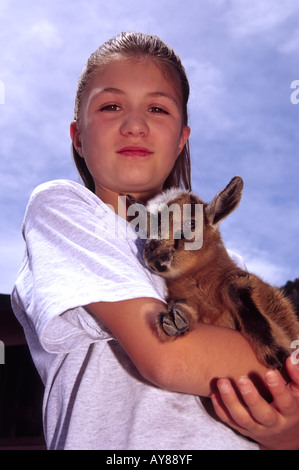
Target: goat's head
x,y
179,224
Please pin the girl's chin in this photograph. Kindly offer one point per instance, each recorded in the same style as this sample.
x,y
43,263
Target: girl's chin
x,y
141,185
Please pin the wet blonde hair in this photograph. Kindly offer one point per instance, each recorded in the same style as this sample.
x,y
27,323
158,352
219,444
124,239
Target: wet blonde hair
x,y
138,45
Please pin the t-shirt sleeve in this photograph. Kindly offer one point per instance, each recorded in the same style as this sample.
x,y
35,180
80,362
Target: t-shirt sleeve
x,y
73,258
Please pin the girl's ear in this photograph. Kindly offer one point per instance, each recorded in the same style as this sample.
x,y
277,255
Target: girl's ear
x,y
184,137
75,136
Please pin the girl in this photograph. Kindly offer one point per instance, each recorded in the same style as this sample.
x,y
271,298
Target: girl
x,y
87,302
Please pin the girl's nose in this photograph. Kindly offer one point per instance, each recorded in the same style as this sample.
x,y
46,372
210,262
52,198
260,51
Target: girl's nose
x,y
134,125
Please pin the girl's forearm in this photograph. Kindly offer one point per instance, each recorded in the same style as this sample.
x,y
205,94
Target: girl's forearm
x,y
193,363
188,364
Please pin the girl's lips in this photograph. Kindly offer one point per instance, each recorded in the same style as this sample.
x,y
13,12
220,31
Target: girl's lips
x,y
135,152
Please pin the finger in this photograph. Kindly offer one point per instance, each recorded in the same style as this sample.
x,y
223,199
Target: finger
x,y
237,411
222,413
259,408
283,397
220,409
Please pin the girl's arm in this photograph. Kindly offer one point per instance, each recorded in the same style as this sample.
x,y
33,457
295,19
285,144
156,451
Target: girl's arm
x,y
191,363
210,361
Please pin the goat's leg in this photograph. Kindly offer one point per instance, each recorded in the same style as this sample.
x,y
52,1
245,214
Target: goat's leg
x,y
180,318
257,328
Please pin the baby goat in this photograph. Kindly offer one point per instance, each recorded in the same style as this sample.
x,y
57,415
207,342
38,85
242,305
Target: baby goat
x,y
206,285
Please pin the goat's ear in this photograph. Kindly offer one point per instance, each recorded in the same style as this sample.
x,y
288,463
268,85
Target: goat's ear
x,y
225,202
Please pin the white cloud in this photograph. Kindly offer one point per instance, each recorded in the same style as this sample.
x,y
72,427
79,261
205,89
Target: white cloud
x,y
291,45
258,16
241,116
264,230
208,97
261,255
3,7
260,265
46,33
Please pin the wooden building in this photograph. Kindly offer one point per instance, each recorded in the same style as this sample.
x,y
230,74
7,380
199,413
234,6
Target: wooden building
x,y
21,389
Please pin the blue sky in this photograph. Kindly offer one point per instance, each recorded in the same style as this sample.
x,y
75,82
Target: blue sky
x,y
241,57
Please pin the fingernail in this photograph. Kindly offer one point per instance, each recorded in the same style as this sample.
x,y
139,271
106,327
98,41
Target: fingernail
x,y
244,385
224,386
272,379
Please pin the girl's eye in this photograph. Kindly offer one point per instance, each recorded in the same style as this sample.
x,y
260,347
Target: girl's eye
x,y
157,110
110,107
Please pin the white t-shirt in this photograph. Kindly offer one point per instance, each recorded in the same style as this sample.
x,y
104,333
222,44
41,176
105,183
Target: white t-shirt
x,y
94,396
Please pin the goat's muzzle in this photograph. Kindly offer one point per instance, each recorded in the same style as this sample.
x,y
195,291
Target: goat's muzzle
x,y
156,259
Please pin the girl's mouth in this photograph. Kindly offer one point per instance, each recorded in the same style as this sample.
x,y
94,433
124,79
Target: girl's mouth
x,y
135,151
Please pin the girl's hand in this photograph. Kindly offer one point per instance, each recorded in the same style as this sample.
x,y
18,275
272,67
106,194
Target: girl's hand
x,y
273,425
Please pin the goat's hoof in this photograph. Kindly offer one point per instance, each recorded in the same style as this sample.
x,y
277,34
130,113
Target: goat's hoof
x,y
174,324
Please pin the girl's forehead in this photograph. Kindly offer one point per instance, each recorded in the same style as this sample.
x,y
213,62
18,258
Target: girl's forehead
x,y
120,72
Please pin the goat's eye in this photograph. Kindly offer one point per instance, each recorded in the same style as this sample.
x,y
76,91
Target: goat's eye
x,y
190,224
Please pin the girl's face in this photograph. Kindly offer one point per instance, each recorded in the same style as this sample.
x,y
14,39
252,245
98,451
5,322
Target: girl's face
x,y
130,129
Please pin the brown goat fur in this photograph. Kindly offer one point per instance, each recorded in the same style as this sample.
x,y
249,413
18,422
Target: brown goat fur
x,y
205,285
